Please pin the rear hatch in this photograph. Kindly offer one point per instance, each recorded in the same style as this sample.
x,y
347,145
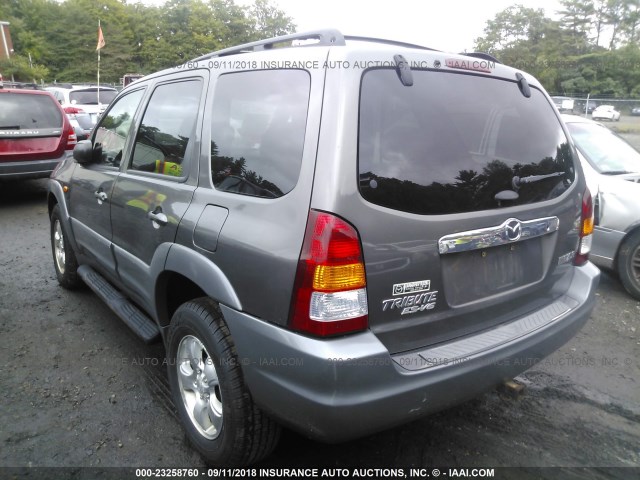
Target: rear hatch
x,y
31,127
467,205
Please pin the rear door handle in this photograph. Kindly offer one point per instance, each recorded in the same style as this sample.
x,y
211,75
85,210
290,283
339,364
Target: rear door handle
x,y
158,218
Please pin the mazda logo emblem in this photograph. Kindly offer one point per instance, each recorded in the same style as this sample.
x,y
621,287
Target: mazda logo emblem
x,y
513,229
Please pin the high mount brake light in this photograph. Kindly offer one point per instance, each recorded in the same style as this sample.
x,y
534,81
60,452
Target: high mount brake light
x,y
586,230
330,296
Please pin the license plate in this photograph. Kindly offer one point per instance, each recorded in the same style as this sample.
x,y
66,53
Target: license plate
x,y
477,274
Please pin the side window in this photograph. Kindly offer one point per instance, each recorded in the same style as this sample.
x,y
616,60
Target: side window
x,y
257,131
166,128
114,128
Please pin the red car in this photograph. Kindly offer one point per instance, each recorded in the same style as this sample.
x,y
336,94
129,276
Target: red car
x,y
35,134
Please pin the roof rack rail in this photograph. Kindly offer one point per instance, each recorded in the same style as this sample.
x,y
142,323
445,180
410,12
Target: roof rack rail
x,y
324,37
388,42
483,56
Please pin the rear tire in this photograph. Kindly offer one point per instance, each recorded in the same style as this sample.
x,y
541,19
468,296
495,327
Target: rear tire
x,y
629,264
64,258
219,416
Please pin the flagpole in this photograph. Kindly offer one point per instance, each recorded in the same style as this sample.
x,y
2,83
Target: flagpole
x,y
98,99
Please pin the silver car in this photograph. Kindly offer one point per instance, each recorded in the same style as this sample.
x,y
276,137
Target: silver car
x,y
612,170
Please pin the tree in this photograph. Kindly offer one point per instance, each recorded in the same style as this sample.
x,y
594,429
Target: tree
x,y
600,18
510,27
576,16
21,70
270,21
61,35
631,21
561,54
614,15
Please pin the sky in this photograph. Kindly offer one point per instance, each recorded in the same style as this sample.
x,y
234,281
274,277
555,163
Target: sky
x,y
444,25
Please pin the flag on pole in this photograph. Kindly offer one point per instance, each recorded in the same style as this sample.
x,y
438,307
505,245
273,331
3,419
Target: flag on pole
x,y
101,42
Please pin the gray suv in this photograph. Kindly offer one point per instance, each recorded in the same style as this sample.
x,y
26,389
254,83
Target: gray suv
x,y
337,235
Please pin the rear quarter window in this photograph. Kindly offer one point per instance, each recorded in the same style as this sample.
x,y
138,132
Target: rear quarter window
x,y
257,131
451,142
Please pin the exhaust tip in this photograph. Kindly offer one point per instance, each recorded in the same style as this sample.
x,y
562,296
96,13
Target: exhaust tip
x,y
512,388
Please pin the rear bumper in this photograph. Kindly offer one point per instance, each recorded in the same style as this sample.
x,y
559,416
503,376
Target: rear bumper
x,y
336,390
30,168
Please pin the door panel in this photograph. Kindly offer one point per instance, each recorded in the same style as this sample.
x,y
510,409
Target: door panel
x,y
90,195
151,197
92,185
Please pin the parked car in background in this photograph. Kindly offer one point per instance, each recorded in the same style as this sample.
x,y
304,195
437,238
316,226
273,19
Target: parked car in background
x,y
35,134
91,100
589,106
612,170
1,81
564,104
129,78
606,112
635,111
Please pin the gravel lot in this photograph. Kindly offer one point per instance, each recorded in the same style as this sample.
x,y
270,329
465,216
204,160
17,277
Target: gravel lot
x,y
77,388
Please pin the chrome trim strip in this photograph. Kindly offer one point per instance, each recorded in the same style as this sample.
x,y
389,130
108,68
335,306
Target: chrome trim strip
x,y
512,230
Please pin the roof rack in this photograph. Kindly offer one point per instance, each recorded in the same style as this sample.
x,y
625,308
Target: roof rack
x,y
482,56
388,42
324,37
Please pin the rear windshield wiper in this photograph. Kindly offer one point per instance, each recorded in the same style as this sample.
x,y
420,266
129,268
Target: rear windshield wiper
x,y
9,127
518,181
616,172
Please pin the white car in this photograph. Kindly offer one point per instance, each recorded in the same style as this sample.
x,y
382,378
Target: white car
x,y
92,100
612,170
606,112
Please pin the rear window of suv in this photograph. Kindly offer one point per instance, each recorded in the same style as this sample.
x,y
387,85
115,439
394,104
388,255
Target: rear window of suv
x,y
28,111
451,143
90,96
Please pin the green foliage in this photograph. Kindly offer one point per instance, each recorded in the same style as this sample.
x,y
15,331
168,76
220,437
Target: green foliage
x,y
62,36
18,68
571,56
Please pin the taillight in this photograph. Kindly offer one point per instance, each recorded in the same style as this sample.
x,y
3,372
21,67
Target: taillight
x,y
330,295
72,139
73,110
586,229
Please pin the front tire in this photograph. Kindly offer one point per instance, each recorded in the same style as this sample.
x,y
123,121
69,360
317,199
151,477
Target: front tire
x,y
64,258
208,389
629,264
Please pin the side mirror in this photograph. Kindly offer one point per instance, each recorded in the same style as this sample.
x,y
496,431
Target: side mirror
x,y
84,153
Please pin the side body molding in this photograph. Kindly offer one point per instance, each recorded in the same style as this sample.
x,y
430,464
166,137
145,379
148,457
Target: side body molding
x,y
203,272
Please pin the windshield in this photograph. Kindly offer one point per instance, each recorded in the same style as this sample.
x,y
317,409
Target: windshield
x,y
454,143
604,150
91,96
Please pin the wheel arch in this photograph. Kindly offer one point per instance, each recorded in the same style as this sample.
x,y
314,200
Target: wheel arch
x,y
187,275
630,230
56,197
